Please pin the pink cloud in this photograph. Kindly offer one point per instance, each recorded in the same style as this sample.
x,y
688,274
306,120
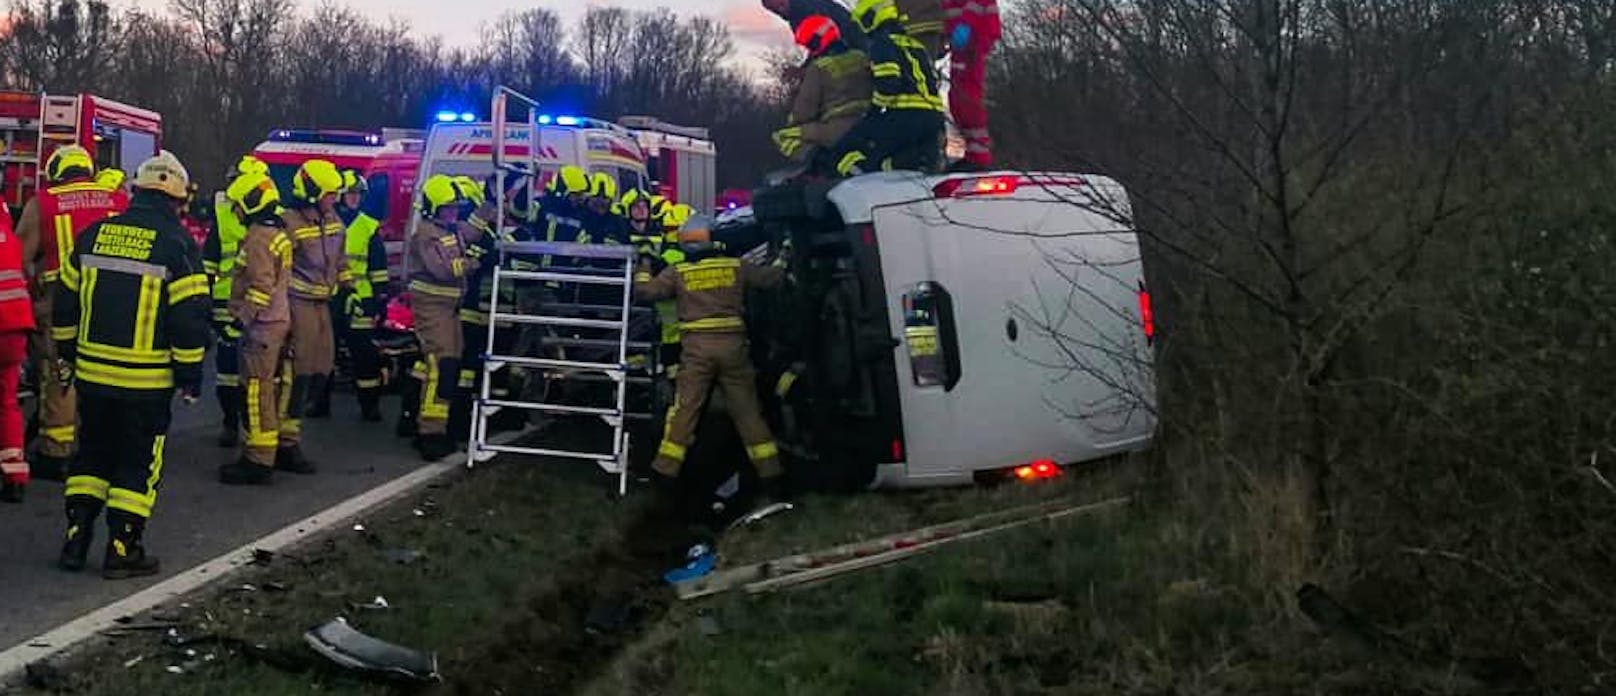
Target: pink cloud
x,y
749,22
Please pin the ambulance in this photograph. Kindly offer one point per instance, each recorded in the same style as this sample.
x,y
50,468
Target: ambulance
x,y
945,328
33,125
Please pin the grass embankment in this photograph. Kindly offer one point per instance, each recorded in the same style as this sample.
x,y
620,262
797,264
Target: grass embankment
x,y
516,558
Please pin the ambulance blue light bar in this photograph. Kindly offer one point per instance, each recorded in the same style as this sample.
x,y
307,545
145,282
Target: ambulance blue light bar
x,y
452,116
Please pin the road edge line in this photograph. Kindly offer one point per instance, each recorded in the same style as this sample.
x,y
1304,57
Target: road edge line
x,y
15,659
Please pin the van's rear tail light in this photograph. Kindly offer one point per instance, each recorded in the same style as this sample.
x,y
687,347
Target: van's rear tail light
x,y
977,186
1038,470
1147,315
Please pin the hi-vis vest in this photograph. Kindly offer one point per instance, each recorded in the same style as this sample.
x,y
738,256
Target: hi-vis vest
x,y
361,246
64,211
221,269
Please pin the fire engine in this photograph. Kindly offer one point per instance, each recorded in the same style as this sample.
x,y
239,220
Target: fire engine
x,y
681,160
33,125
387,158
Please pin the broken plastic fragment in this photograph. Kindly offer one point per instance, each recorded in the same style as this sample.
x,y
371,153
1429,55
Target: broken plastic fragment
x,y
340,643
379,602
175,669
402,556
759,514
359,528
702,562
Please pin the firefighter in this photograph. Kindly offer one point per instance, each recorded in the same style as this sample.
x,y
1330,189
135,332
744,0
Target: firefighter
x,y
834,93
438,269
319,272
477,303
710,290
795,12
219,260
131,321
923,20
355,312
48,227
973,31
261,308
906,125
16,325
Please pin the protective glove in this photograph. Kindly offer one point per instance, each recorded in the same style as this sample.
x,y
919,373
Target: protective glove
x,y
789,140
960,39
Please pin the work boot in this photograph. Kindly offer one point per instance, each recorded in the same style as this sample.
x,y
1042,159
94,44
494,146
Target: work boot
x,y
409,401
290,459
126,554
319,397
244,473
46,467
370,407
230,402
435,447
81,514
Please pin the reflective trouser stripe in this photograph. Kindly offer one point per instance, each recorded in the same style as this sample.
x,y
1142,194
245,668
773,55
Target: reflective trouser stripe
x,y
136,502
62,434
672,450
91,486
762,451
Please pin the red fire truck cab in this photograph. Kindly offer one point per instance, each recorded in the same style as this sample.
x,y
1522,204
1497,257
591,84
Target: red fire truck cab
x,y
33,125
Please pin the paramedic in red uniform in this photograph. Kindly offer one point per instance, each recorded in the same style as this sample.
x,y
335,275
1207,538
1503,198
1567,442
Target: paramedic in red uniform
x,y
16,323
49,226
973,29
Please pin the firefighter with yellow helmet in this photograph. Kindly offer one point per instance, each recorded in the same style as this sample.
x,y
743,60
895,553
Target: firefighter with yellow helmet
x,y
131,323
356,311
219,253
48,228
261,309
438,265
319,272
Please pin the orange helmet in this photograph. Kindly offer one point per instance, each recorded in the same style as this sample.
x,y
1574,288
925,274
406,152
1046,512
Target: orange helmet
x,y
817,34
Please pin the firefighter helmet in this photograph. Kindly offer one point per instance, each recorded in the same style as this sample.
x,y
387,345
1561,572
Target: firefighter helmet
x,y
254,193
570,180
353,182
697,230
871,14
635,197
470,190
817,34
69,162
603,185
314,180
111,178
247,165
438,191
164,174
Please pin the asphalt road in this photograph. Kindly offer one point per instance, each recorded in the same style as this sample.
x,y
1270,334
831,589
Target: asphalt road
x,y
196,518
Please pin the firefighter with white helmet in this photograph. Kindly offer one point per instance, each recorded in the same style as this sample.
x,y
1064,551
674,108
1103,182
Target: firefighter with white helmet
x,y
130,320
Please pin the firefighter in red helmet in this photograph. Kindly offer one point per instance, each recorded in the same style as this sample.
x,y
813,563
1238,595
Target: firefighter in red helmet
x,y
834,94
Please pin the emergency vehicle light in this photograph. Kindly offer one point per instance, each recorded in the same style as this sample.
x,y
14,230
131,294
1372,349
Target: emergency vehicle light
x,y
977,186
1147,314
1041,469
468,117
447,116
546,120
566,120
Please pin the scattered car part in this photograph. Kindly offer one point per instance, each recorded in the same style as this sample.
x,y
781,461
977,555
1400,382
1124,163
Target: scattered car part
x,y
759,514
346,646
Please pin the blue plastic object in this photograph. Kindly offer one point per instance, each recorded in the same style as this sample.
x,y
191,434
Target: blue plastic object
x,y
702,562
961,37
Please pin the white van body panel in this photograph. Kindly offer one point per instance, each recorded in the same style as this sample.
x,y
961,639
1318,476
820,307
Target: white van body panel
x,y
1045,283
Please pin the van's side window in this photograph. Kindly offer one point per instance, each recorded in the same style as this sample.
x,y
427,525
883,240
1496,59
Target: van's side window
x,y
377,199
930,335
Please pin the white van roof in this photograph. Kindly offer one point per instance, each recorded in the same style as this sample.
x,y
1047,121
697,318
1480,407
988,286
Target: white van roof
x,y
857,198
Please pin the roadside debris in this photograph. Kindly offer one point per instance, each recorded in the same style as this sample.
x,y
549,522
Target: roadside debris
x,y
340,643
402,556
700,560
707,624
759,514
377,604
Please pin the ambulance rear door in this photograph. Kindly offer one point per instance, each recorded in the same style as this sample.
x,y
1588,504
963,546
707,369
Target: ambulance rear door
x,y
1016,301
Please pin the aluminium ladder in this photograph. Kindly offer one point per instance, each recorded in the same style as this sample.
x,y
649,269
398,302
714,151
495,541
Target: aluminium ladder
x,y
608,343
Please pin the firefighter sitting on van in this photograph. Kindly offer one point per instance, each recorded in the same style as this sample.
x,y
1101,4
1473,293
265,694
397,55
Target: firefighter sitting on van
x,y
131,324
439,267
48,227
709,290
261,310
833,96
905,127
219,254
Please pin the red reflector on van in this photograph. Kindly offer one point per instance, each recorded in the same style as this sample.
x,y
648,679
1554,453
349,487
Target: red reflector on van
x,y
977,186
897,450
1041,469
1147,315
